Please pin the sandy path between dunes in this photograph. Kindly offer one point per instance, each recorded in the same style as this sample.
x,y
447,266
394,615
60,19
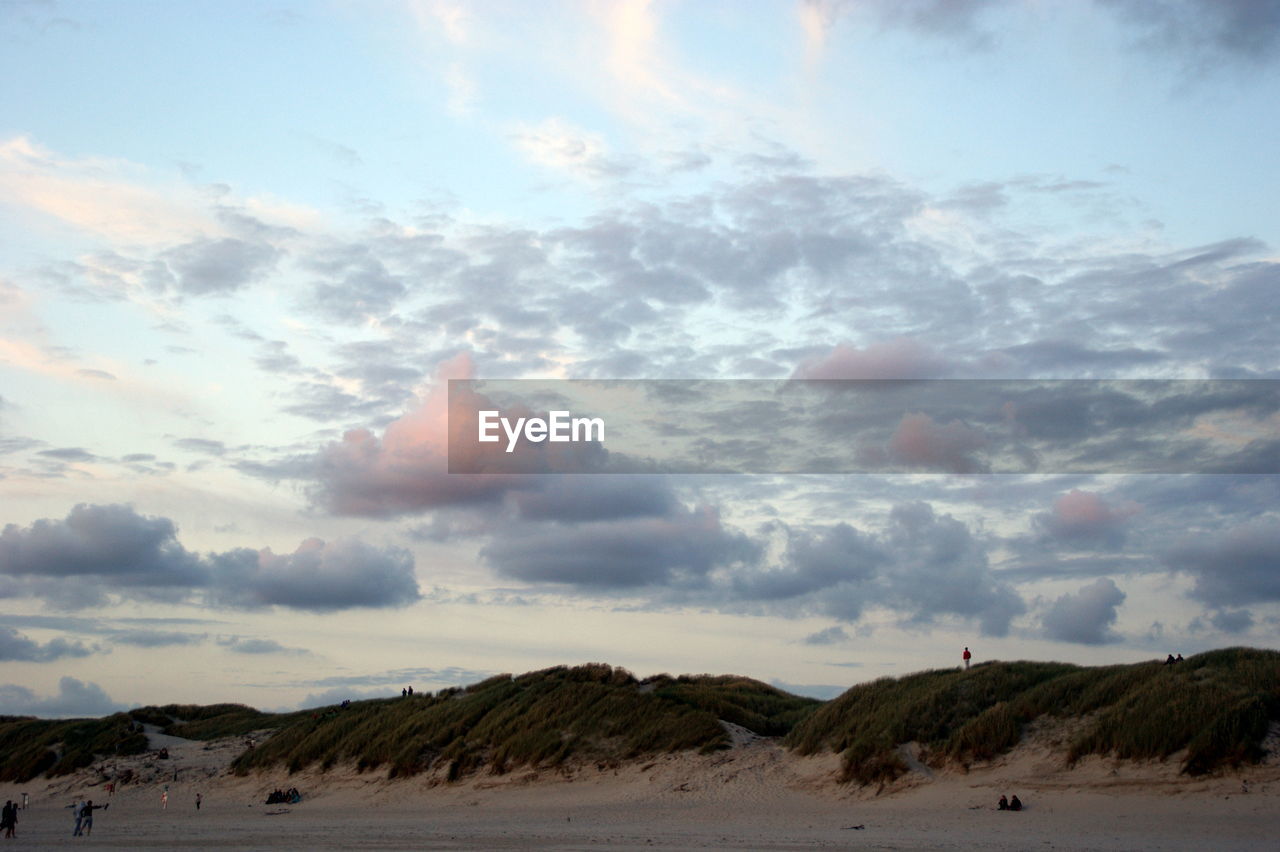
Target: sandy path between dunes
x,y
755,796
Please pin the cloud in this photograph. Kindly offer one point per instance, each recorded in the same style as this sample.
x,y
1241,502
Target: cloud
x,y
201,445
1232,621
15,647
317,577
817,560
922,566
337,695
406,470
1086,616
1236,567
156,638
109,198
99,551
75,699
901,358
680,549
921,442
251,645
1084,518
560,146
594,498
939,568
1206,31
208,266
451,676
830,636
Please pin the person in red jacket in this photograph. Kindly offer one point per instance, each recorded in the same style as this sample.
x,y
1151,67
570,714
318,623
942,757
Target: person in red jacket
x,y
967,656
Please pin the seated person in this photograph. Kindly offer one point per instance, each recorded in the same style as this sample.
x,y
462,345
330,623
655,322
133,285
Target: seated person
x,y
1003,804
1015,804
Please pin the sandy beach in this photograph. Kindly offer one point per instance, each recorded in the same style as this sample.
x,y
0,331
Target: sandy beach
x,y
754,796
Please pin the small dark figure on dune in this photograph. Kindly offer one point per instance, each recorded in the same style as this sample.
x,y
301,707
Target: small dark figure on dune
x,y
9,819
1003,804
1015,804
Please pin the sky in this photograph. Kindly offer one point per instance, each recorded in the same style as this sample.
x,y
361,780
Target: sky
x,y
243,248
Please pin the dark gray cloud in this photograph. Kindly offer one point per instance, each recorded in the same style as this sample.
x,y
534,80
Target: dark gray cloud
x,y
318,577
595,498
1232,621
75,699
941,569
923,565
15,647
99,551
677,550
1236,567
1085,616
816,561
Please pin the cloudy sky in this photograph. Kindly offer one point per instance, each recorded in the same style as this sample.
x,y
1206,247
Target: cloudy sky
x,y
243,247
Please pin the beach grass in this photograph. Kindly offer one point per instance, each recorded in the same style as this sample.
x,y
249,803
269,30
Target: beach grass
x,y
1215,708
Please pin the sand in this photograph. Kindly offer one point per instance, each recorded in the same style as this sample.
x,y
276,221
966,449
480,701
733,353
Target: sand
x,y
755,796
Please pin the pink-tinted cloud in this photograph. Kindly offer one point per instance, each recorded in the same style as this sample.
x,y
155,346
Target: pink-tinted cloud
x,y
901,358
922,442
1086,516
407,469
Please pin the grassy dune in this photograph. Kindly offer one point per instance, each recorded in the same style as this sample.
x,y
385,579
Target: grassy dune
x,y
31,747
1213,710
1217,706
592,712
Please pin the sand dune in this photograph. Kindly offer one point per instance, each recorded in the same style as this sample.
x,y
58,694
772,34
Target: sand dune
x,y
755,795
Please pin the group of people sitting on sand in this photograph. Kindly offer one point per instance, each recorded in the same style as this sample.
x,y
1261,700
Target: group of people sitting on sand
x,y
1014,804
1171,660
280,797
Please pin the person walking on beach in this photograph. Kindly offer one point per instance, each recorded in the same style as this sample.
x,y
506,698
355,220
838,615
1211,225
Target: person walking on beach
x,y
77,810
164,798
967,656
199,799
9,819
